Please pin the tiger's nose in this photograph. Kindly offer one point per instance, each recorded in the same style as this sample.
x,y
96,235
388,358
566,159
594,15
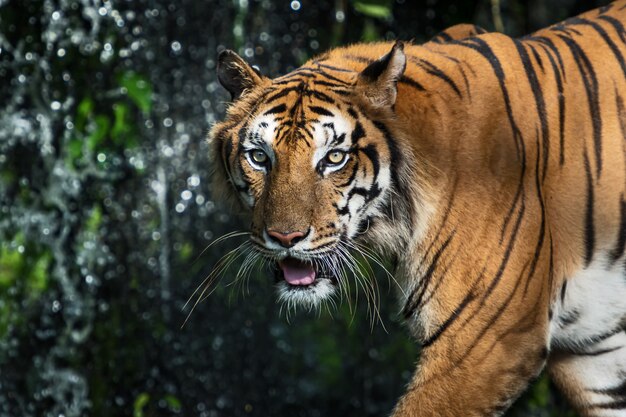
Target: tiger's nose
x,y
287,239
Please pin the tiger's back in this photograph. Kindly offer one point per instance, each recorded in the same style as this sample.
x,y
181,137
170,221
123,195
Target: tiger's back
x,y
493,169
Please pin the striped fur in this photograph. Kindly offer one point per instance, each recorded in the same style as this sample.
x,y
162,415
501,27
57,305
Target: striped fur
x,y
492,169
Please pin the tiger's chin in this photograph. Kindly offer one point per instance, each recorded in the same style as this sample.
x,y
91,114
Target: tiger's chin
x,y
309,297
303,284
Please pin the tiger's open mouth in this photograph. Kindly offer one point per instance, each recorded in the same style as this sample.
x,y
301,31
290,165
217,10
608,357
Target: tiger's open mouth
x,y
304,282
300,274
297,272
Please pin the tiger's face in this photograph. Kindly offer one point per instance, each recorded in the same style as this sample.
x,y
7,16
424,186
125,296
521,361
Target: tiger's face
x,y
312,164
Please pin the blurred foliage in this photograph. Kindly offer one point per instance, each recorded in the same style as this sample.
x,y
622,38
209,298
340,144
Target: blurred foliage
x,y
105,203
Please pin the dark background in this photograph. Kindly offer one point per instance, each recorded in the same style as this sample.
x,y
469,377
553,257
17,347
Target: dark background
x,y
106,206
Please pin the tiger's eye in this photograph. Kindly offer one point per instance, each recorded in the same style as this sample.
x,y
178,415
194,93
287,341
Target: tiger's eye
x,y
335,157
258,156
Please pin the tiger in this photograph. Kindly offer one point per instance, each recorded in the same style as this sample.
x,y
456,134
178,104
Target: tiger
x,y
490,170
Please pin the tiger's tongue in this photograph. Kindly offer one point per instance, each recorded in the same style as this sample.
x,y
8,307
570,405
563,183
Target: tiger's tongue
x,y
297,272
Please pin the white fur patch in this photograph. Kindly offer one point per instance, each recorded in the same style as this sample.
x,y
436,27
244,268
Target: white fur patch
x,y
594,303
310,297
600,376
264,128
323,136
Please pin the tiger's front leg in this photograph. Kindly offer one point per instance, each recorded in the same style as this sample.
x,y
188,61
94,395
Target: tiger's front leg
x,y
484,345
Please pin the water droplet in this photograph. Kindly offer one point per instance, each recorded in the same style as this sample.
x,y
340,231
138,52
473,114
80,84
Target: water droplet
x,y
176,46
193,181
340,16
167,151
167,122
186,195
180,207
295,5
61,52
101,157
55,105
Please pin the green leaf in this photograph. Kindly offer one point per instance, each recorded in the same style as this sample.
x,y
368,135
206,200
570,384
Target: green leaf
x,y
94,220
38,281
380,9
370,32
100,131
120,124
140,403
11,262
173,402
139,90
186,251
83,112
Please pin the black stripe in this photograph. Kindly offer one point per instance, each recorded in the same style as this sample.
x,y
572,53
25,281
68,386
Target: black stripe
x,y
537,56
320,110
617,25
342,211
405,210
614,405
357,133
331,67
328,84
507,253
415,299
557,53
322,96
617,390
595,353
276,109
590,234
436,72
496,315
542,226
281,93
372,155
561,98
356,191
616,52
450,320
590,81
569,318
411,82
620,245
355,170
442,37
324,74
539,104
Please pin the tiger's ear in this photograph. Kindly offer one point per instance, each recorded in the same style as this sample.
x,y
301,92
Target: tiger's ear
x,y
235,74
379,81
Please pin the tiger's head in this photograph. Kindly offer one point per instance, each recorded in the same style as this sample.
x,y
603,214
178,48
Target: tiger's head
x,y
313,158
